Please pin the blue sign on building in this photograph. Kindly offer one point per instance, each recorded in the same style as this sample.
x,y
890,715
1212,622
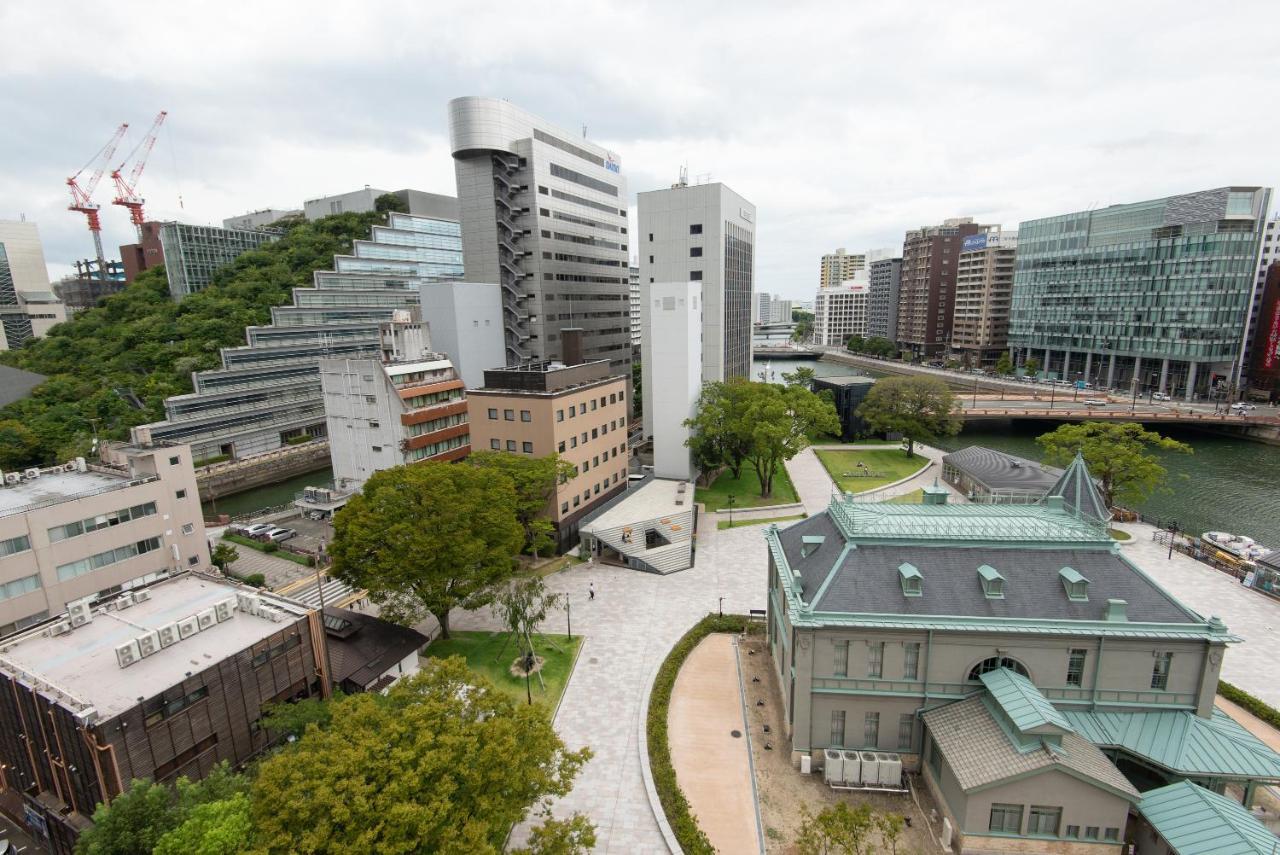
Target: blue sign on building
x,y
974,242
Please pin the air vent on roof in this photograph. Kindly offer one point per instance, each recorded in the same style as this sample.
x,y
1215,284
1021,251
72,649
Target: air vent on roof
x,y
912,581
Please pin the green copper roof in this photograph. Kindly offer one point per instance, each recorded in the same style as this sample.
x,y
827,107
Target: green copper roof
x,y
1021,702
1080,496
1182,742
1029,524
1195,821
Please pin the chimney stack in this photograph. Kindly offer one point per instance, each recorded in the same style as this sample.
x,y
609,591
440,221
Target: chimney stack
x,y
571,345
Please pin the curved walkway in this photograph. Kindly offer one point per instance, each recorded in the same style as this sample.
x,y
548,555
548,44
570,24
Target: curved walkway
x,y
814,485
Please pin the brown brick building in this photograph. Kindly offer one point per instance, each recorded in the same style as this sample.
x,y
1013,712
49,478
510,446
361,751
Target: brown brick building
x,y
926,294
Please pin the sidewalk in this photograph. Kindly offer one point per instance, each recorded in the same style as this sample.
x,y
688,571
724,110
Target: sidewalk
x,y
815,487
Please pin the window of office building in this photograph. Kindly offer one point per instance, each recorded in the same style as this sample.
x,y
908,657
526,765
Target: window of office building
x,y
906,726
695,252
495,444
1075,666
875,659
527,447
871,729
837,728
18,587
695,229
526,416
103,559
511,445
114,518
911,660
14,545
841,666
493,413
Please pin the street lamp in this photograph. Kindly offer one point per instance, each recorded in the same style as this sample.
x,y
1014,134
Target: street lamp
x,y
1076,391
568,617
722,607
1173,530
731,500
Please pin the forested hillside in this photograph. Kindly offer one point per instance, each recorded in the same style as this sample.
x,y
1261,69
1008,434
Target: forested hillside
x,y
138,347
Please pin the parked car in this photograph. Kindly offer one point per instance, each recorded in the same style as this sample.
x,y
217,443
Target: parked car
x,y
255,529
1241,406
1095,402
1160,396
279,535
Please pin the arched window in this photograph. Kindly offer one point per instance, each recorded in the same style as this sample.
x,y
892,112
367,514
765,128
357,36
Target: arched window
x,y
995,662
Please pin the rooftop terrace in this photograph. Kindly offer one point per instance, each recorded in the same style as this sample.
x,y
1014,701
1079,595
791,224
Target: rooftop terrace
x,y
53,487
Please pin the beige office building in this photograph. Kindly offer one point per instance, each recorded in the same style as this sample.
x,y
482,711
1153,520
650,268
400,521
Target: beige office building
x,y
984,285
576,410
840,266
91,530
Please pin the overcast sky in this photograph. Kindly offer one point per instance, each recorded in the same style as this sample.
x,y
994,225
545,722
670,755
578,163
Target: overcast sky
x,y
845,123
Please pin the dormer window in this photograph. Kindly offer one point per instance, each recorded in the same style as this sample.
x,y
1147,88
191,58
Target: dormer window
x,y
912,581
1077,586
992,582
809,544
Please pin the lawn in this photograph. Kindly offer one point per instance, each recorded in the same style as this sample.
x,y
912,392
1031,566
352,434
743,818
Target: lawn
x,y
915,497
484,654
885,466
739,523
746,490
1117,534
304,560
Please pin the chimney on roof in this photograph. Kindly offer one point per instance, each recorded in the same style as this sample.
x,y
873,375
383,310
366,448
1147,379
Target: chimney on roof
x,y
1115,610
1054,503
571,345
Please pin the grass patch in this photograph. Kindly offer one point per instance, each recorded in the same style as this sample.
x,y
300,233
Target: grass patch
x,y
683,823
1117,534
915,497
746,490
546,566
484,654
886,465
724,524
304,560
1257,706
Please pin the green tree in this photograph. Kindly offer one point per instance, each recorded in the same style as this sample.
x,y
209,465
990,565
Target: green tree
x,y
1118,455
444,763
390,202
856,343
802,376
919,408
292,719
216,828
18,444
840,828
535,480
573,836
523,606
804,325
720,435
224,555
1004,365
1032,366
428,538
781,422
637,389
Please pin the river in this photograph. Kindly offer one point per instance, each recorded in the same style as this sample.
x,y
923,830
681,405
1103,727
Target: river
x,y
267,496
1225,485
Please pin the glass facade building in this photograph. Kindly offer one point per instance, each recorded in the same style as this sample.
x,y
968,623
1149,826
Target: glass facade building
x,y
267,393
193,253
1150,296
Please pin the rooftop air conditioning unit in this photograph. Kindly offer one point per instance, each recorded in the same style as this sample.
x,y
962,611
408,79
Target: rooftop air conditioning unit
x,y
169,634
86,716
206,619
248,603
81,465
79,613
890,770
70,467
124,601
225,609
832,766
271,613
13,477
853,768
128,653
60,628
188,627
33,472
148,643
141,596
870,767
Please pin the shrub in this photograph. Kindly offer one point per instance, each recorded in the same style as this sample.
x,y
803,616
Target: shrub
x,y
257,580
1257,706
270,546
209,461
683,823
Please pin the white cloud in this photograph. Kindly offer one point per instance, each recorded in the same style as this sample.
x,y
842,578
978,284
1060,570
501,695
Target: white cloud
x,y
845,123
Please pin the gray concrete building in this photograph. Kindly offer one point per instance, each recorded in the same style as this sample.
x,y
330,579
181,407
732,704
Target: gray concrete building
x,y
703,233
635,312
544,214
28,306
882,299
464,322
193,253
419,203
259,219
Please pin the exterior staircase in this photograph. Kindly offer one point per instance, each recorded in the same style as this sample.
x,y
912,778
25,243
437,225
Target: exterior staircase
x,y
676,554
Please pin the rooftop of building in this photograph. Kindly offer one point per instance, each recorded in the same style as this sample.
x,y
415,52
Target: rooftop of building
x,y
850,380
362,647
16,384
81,668
545,377
999,471
55,485
1197,821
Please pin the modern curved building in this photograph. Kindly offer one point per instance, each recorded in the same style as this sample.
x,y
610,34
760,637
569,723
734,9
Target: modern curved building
x,y
544,213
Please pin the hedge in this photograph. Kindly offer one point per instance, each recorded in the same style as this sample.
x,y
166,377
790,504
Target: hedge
x,y
1257,706
683,823
270,548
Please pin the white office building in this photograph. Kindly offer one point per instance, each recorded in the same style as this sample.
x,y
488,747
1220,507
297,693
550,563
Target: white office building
x,y
702,233
635,311
673,345
544,214
840,311
772,309
464,322
28,307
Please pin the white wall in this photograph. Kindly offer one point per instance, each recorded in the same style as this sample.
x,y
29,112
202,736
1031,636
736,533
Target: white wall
x,y
26,256
465,322
673,342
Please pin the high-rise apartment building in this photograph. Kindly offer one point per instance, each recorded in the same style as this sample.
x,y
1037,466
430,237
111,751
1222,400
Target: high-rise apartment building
x,y
1153,295
702,233
267,392
984,284
192,253
28,307
840,311
1268,254
544,214
635,312
772,309
926,292
575,409
405,406
840,266
93,529
884,280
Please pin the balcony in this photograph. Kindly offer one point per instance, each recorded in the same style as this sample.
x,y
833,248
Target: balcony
x,y
415,442
452,407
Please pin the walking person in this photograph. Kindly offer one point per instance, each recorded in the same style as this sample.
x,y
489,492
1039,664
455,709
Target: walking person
x,y
591,590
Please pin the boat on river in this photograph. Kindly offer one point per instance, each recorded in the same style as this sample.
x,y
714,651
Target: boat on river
x,y
1244,548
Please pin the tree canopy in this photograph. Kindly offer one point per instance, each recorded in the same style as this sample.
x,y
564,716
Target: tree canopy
x,y
919,408
444,763
802,376
1118,455
427,538
140,346
1031,365
720,435
872,346
1004,365
535,480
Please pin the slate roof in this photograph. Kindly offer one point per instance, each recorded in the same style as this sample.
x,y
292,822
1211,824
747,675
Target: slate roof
x,y
867,581
16,384
1195,821
980,753
1182,742
1003,472
361,652
1022,702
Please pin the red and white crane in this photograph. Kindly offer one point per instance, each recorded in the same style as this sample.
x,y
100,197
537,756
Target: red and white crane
x,y
82,194
127,188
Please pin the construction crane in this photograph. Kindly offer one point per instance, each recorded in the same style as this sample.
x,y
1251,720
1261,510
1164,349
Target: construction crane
x,y
82,195
127,189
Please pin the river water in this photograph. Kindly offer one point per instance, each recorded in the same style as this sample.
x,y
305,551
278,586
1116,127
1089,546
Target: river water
x,y
1225,485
